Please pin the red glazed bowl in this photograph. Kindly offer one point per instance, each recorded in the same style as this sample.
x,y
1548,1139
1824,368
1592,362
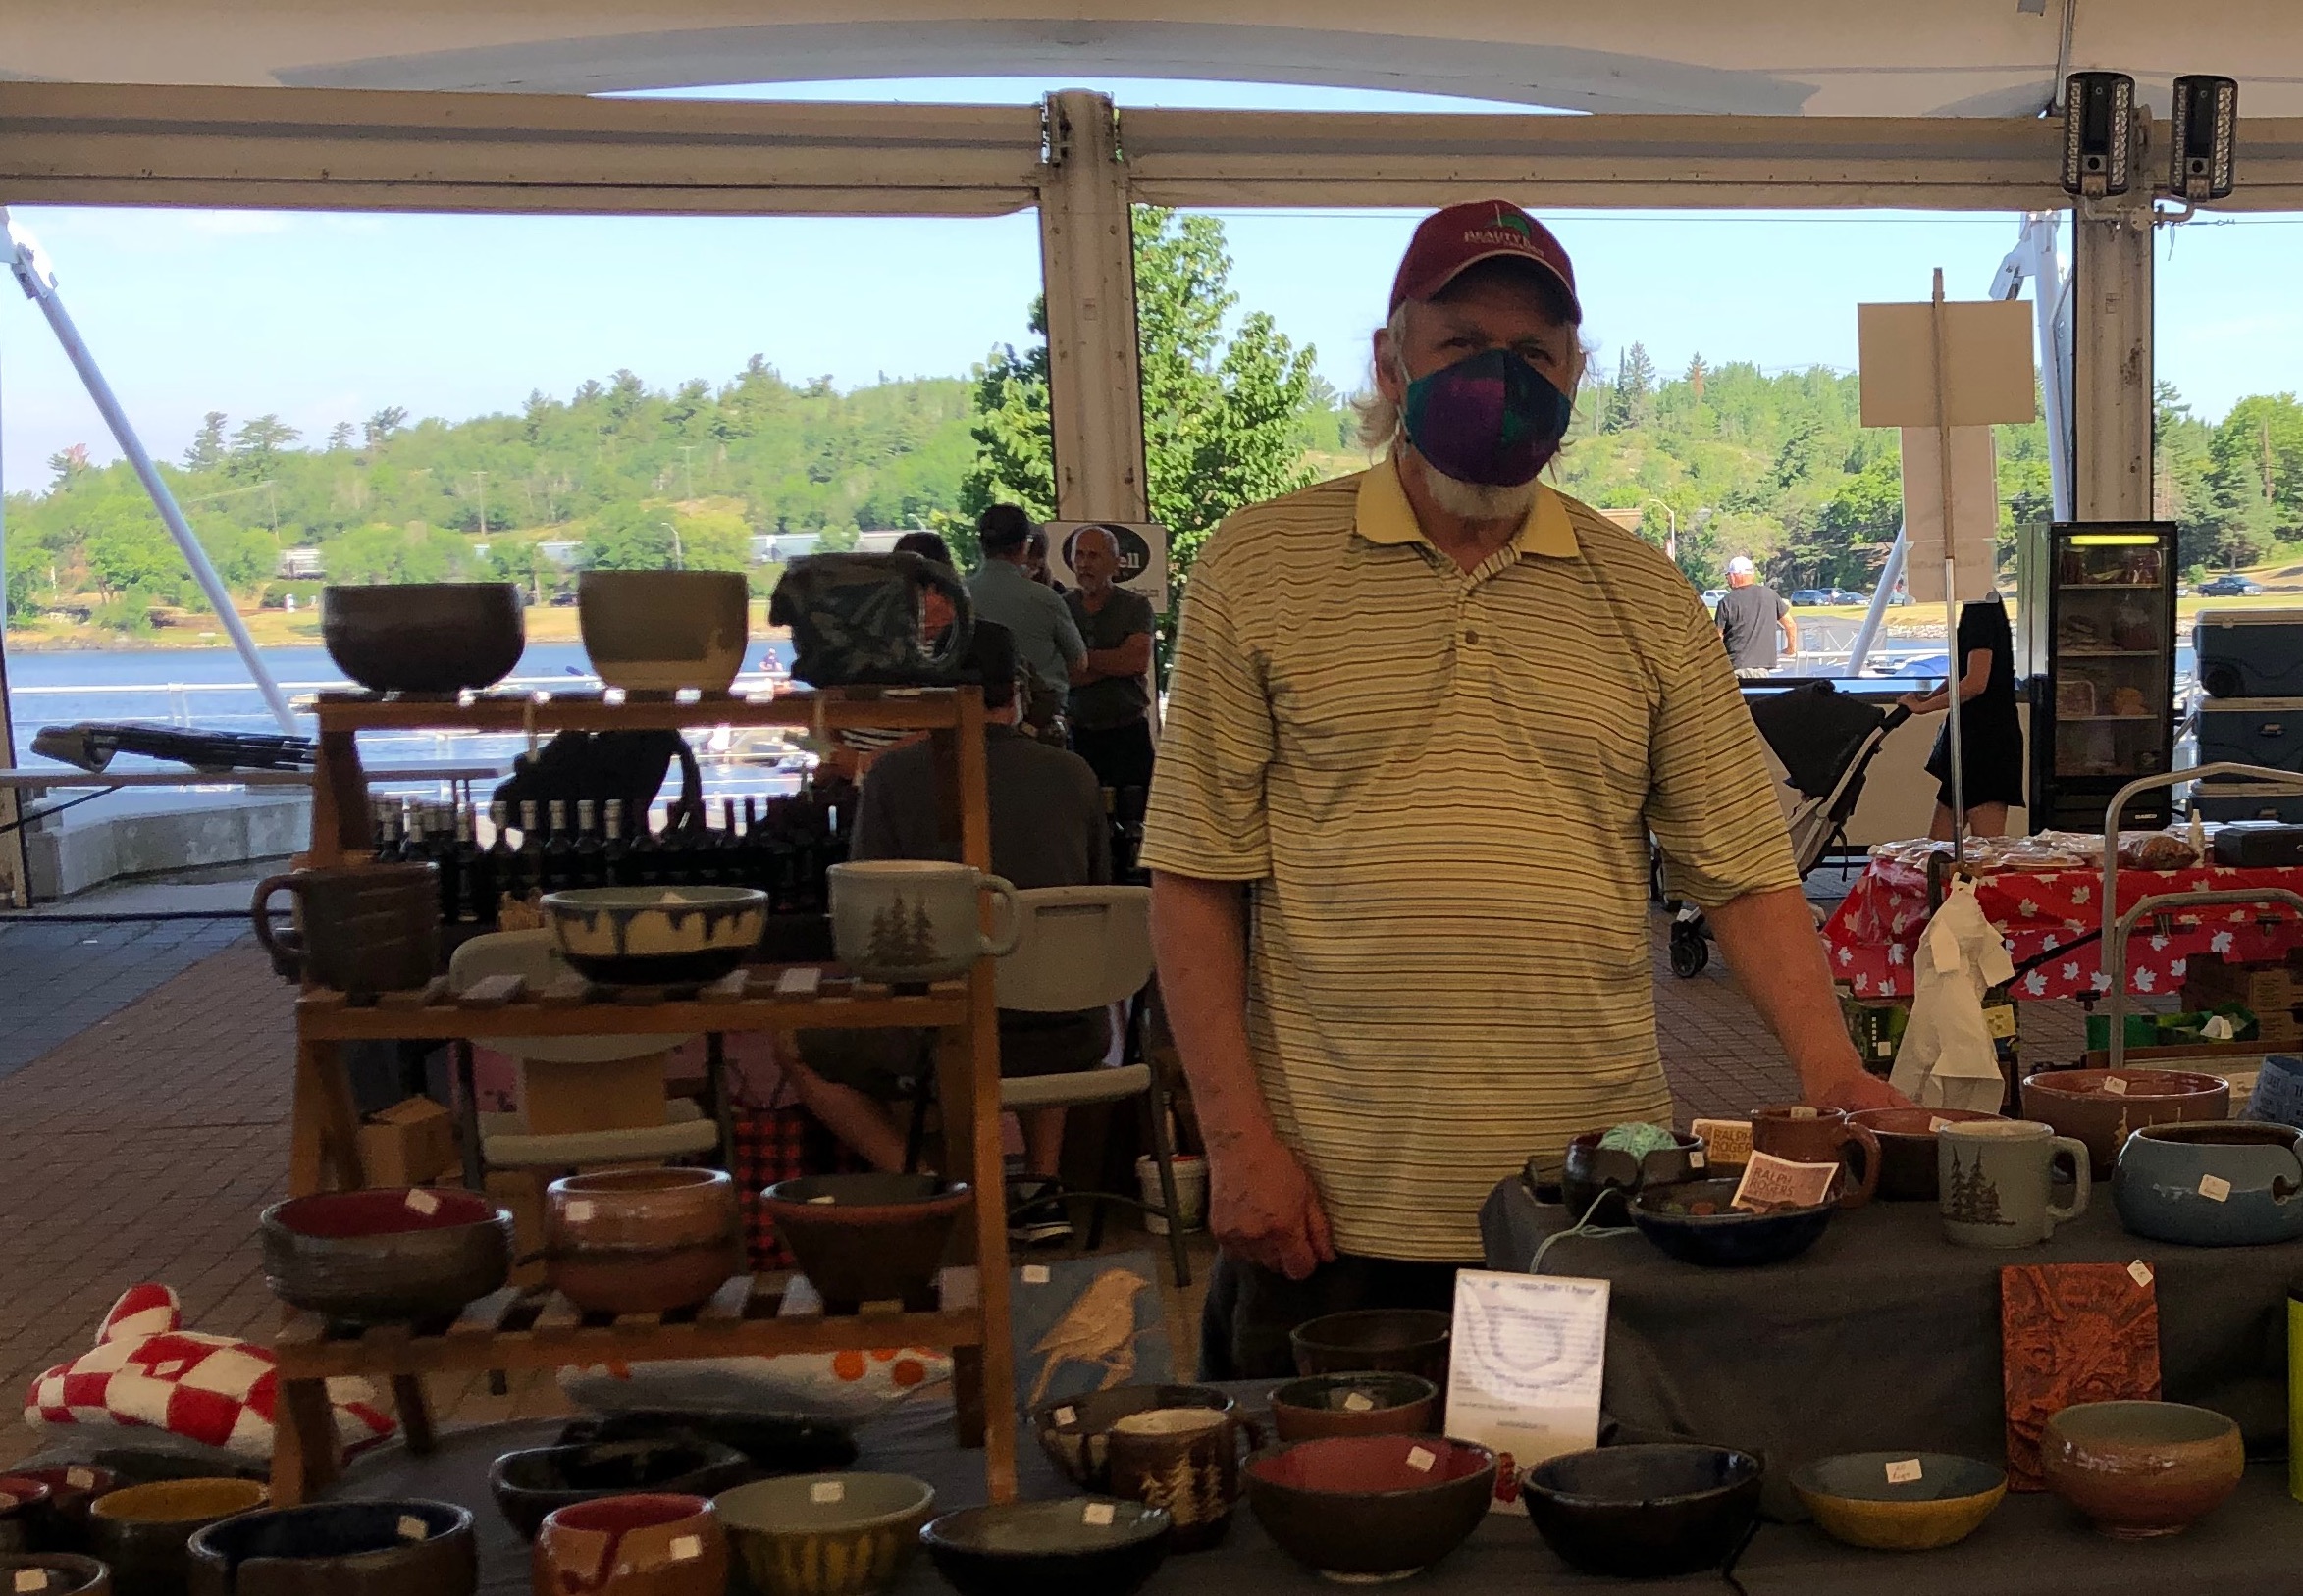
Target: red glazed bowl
x,y
1371,1506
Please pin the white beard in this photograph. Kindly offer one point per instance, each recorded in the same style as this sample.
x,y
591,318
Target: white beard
x,y
1479,501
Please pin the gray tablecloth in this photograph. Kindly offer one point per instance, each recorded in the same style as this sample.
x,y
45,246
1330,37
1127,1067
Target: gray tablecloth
x,y
1884,1335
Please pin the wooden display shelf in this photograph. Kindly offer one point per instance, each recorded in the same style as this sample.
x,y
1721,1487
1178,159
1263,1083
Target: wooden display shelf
x,y
503,1006
883,708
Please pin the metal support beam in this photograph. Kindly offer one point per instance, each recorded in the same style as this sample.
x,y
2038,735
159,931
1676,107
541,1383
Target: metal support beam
x,y
1087,262
2111,357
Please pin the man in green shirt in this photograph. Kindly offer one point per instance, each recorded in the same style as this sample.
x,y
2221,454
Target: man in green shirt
x,y
1110,694
1046,641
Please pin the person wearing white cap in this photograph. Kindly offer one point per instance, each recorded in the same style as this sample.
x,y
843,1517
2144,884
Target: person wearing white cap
x,y
1748,617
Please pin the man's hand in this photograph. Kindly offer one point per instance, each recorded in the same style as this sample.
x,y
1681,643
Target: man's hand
x,y
1263,1207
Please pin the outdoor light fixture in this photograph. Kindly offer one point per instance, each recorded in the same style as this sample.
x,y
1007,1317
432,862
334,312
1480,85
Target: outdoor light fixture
x,y
2099,117
2202,130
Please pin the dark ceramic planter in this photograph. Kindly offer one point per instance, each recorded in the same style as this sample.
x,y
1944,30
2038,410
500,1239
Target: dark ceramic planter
x,y
54,1573
880,1238
392,1548
426,637
651,1545
825,1534
24,1509
1371,1506
1645,1511
389,1254
656,936
1370,1404
1906,1147
2162,1168
2080,1103
1075,1433
529,1485
1049,1548
1592,1170
1694,1223
142,1532
61,1522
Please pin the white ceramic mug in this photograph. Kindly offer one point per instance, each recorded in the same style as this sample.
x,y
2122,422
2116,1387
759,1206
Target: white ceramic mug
x,y
912,920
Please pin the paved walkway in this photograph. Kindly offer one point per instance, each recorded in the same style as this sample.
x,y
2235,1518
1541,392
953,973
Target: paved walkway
x,y
58,978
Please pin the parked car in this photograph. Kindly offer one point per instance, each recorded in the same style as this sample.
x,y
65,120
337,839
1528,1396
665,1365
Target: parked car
x,y
1712,595
1810,596
2231,585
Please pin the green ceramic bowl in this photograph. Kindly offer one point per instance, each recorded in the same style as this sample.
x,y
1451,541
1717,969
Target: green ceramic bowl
x,y
825,1534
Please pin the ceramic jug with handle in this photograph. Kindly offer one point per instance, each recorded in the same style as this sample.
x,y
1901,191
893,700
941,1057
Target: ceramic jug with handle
x,y
858,618
2212,1184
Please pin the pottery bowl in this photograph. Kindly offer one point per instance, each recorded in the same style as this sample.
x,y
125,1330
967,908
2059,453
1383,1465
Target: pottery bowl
x,y
1075,1433
661,630
533,1484
24,1510
142,1532
1369,1404
642,1241
2082,1103
868,1238
1869,1499
335,1547
1363,1507
1067,1548
825,1534
1390,1340
61,1522
1593,1169
2163,1168
1906,1147
424,636
391,1252
2141,1470
54,1573
1694,1223
660,1545
775,1443
1645,1511
656,936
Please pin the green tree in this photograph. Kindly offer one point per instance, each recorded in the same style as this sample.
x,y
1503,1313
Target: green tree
x,y
257,445
206,452
1629,400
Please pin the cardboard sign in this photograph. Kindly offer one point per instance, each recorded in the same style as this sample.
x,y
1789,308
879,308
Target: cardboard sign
x,y
1729,1141
1143,555
1526,1358
1986,363
1770,1182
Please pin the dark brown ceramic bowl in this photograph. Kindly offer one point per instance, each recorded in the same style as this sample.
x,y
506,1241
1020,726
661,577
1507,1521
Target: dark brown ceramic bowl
x,y
55,1574
142,1532
1645,1511
2141,1469
424,636
1067,1548
1369,1404
530,1485
62,1523
2080,1103
24,1509
340,1549
1075,1433
642,1241
868,1238
644,1280
1371,1506
1906,1147
1392,1340
387,1254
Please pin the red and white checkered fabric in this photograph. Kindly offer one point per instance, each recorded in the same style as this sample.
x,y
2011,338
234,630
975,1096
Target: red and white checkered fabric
x,y
147,1372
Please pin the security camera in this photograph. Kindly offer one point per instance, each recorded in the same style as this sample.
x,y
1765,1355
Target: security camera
x,y
2202,130
2099,119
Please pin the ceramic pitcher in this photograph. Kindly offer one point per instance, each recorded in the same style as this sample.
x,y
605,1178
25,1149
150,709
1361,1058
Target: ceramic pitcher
x,y
2212,1184
358,929
1996,1176
1810,1135
1185,1460
914,920
858,618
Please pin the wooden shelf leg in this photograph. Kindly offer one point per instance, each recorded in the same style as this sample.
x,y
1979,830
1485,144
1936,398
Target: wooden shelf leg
x,y
303,1442
323,1135
415,1414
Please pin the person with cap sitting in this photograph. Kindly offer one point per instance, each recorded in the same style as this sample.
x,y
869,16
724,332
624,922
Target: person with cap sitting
x,y
1749,615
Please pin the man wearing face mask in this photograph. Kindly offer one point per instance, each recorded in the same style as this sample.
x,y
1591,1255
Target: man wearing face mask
x,y
1421,725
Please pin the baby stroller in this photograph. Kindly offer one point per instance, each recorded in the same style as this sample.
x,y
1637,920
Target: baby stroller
x,y
1824,741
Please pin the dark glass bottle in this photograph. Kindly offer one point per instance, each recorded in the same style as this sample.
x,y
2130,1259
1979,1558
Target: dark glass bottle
x,y
475,873
503,863
447,858
387,831
616,855
560,851
590,870
645,863
531,859
728,849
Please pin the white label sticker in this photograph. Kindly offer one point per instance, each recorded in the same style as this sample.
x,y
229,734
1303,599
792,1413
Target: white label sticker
x,y
827,1490
687,1547
1356,1401
423,1202
1699,1158
1938,1124
1421,1461
27,1579
1803,1111
821,1202
2141,1271
2215,1188
79,1479
1098,1515
1065,1417
1904,1473
1883,1048
2116,1087
412,1529
579,1210
1036,1274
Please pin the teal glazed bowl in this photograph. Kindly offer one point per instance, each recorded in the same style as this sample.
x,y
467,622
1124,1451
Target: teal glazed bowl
x,y
2229,1184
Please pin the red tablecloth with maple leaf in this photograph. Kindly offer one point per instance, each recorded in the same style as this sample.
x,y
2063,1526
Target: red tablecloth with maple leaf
x,y
1872,935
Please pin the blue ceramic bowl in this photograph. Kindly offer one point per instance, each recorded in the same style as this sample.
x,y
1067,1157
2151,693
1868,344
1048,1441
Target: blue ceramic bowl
x,y
2162,1170
1693,1223
1645,1511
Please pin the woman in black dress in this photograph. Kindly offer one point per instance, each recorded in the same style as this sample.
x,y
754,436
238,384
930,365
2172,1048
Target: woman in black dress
x,y
1991,737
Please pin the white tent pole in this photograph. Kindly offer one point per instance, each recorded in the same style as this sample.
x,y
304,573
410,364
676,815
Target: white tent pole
x,y
2051,299
40,286
1951,585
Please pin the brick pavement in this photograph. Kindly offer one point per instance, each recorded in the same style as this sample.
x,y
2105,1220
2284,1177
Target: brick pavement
x,y
58,978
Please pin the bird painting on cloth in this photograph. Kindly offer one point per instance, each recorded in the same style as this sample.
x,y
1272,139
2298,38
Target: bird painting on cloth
x,y
1089,1324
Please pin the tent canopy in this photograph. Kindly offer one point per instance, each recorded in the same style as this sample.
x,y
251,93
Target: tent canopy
x,y
1989,58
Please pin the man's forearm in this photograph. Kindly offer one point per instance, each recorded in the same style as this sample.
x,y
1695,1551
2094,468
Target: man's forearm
x,y
1772,944
1199,937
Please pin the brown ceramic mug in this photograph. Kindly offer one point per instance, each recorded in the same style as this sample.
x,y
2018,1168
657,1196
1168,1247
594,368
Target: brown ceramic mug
x,y
1806,1135
359,928
1187,1460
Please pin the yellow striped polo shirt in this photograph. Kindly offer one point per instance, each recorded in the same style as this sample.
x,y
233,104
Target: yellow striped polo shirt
x,y
1441,786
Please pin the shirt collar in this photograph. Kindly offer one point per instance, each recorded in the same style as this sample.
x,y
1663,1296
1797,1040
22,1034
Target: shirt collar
x,y
1385,516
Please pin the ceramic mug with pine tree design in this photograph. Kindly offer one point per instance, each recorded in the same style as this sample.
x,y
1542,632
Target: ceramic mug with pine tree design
x,y
906,921
1996,1177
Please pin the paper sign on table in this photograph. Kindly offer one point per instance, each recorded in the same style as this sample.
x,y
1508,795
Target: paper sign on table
x,y
1525,1362
1770,1182
1729,1141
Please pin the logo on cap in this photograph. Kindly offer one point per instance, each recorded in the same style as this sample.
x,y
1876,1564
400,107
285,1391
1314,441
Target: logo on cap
x,y
1514,221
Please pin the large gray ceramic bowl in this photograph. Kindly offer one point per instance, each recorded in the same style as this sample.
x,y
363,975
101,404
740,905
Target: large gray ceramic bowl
x,y
656,936
387,1254
340,1549
842,1534
661,630
424,636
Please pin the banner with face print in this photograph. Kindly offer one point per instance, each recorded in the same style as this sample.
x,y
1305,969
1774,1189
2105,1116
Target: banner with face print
x,y
1143,555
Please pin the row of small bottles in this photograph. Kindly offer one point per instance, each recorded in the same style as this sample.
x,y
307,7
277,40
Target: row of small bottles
x,y
784,852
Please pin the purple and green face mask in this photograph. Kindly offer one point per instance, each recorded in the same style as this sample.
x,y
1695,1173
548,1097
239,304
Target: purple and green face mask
x,y
1489,418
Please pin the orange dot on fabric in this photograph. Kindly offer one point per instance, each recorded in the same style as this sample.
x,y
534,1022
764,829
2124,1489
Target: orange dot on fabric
x,y
908,1371
882,1355
848,1366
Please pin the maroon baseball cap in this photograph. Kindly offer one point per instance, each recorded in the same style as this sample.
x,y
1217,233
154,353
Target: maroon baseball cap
x,y
1462,235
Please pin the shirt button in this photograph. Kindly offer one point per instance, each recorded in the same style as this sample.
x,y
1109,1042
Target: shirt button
x,y
1470,635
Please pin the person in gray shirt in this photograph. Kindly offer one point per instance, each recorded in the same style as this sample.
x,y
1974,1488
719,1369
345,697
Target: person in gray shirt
x,y
1111,694
1046,641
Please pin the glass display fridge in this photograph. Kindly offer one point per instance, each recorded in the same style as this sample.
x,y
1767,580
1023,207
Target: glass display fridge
x,y
2096,604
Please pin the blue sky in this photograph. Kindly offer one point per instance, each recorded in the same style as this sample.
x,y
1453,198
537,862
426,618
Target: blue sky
x,y
328,318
